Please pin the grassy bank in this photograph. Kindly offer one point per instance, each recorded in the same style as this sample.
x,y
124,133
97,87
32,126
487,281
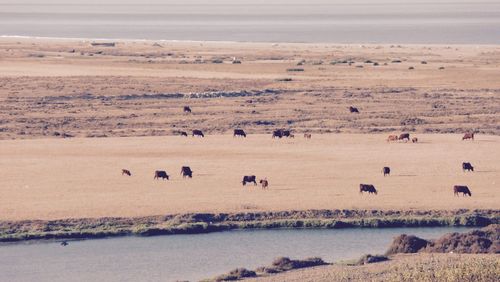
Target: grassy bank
x,y
196,223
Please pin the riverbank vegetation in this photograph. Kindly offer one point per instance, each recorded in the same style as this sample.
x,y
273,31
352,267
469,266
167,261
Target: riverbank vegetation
x,y
196,223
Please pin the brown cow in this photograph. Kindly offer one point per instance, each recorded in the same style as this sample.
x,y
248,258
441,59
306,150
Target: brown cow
x,y
468,135
367,188
307,135
392,138
126,172
183,133
414,140
264,183
461,189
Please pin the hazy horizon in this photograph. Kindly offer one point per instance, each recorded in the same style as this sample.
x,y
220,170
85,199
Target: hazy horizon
x,y
340,21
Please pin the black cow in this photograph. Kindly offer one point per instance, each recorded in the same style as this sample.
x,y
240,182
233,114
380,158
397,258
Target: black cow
x,y
186,171
386,170
161,174
239,132
197,132
126,172
287,133
367,188
183,133
353,110
467,166
249,178
278,133
187,109
461,189
404,136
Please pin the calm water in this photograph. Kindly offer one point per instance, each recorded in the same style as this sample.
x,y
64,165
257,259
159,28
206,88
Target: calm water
x,y
342,21
191,257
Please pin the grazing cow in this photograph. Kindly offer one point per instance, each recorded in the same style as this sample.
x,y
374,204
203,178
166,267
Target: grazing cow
x,y
186,171
286,133
239,132
469,135
161,174
264,183
386,170
187,109
404,136
291,136
461,189
197,132
467,166
249,178
353,110
278,133
392,138
307,135
367,188
183,133
126,172
414,140
64,243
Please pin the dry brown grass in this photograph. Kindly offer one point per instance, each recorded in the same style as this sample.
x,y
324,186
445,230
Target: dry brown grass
x,y
115,91
75,178
421,267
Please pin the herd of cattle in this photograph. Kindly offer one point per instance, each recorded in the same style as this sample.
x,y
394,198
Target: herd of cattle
x,y
283,133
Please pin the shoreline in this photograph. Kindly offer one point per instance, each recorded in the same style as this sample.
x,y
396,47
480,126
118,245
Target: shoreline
x,y
229,42
200,223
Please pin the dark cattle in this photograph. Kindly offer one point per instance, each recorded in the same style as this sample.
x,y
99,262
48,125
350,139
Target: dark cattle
x,y
414,140
287,133
467,166
183,133
197,132
64,243
353,109
404,136
386,170
307,135
264,183
186,171
468,136
161,174
461,189
126,172
249,178
367,188
291,136
277,133
239,132
187,109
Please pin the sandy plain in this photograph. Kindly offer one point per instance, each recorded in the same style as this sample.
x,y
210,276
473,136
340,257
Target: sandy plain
x,y
133,94
81,177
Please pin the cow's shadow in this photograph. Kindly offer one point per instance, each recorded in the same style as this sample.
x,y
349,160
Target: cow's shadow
x,y
406,175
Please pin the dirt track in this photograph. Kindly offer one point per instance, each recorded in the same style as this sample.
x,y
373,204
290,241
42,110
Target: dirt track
x,y
74,178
